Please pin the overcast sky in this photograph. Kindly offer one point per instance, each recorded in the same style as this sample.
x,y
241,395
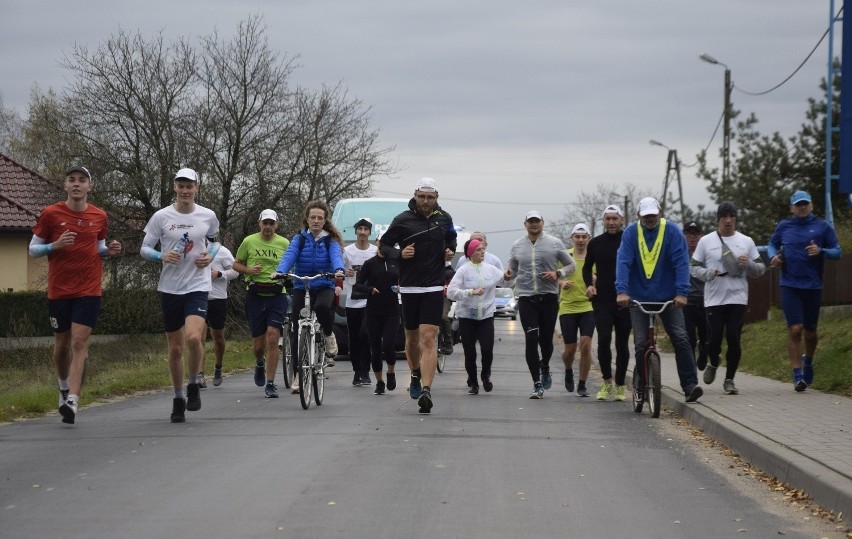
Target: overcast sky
x,y
508,105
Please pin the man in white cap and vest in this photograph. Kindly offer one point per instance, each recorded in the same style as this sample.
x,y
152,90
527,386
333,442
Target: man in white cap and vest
x,y
653,265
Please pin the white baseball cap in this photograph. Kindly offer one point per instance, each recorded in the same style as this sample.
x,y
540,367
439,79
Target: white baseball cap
x,y
613,208
187,174
649,206
533,214
269,214
427,185
581,228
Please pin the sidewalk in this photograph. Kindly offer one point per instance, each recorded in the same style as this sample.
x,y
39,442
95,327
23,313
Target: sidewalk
x,y
803,439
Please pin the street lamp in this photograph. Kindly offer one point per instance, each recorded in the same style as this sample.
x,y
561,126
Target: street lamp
x,y
672,164
726,131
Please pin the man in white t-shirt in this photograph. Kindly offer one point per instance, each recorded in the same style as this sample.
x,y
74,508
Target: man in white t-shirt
x,y
186,234
725,259
354,256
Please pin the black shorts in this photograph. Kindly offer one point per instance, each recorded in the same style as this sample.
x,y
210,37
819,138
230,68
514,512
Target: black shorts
x,y
216,311
570,323
422,308
176,307
64,312
265,312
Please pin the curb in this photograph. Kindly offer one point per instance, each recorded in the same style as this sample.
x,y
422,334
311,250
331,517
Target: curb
x,y
828,488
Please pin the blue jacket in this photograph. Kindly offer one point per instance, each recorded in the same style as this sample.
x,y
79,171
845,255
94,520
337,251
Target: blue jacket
x,y
671,274
793,236
306,256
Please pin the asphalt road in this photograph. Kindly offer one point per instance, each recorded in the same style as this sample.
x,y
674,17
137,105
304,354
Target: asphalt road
x,y
361,465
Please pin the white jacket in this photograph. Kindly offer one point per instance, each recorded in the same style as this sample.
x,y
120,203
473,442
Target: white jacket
x,y
468,278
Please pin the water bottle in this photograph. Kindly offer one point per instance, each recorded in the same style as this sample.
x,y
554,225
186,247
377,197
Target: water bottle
x,y
180,246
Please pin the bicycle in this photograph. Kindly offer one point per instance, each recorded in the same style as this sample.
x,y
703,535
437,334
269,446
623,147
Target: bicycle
x,y
442,358
652,388
312,360
288,366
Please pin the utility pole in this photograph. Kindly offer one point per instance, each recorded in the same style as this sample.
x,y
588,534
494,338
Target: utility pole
x,y
672,165
726,114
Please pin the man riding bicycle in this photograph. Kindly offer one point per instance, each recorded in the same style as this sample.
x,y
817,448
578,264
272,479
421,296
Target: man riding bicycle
x,y
652,265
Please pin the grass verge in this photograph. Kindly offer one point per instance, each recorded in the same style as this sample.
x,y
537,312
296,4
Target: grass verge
x,y
28,385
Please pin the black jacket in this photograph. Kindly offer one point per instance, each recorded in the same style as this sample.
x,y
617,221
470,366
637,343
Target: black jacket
x,y
430,235
380,273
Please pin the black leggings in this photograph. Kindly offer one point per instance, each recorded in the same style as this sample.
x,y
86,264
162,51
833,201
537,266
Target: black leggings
x,y
382,330
538,318
609,316
725,321
696,322
477,330
322,302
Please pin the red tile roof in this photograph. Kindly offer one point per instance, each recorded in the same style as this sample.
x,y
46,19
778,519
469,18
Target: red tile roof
x,y
23,194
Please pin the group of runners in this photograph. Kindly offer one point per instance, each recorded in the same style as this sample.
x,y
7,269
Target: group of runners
x,y
586,288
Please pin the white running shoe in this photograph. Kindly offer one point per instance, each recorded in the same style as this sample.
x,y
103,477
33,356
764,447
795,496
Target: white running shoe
x,y
330,346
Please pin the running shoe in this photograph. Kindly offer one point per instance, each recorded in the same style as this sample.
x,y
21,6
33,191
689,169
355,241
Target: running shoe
x,y
356,380
581,389
193,397
569,380
271,390
202,381
330,346
425,401
701,362
695,392
365,379
68,411
474,390
799,382
808,369
546,379
391,384
538,391
710,373
63,395
260,373
329,362
487,385
380,388
729,387
605,392
178,407
415,388
619,394
217,377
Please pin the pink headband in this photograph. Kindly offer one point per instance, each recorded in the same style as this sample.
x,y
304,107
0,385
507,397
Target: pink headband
x,y
471,247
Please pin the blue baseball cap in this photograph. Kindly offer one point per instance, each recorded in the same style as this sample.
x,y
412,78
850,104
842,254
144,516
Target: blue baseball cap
x,y
800,196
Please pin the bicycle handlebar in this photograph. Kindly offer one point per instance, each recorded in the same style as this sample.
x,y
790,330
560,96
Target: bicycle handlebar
x,y
641,306
324,275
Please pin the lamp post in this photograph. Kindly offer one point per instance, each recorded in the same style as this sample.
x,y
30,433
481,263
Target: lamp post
x,y
672,164
726,130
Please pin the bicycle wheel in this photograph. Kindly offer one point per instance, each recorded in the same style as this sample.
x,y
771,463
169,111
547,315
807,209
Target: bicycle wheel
x,y
638,402
305,368
654,384
286,356
442,359
319,375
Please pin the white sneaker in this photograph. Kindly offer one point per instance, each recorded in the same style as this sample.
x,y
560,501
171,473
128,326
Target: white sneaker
x,y
68,411
330,346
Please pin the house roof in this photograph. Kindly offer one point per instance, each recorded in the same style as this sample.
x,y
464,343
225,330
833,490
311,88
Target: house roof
x,y
23,194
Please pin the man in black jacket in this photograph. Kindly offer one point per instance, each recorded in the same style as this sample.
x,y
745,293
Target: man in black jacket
x,y
426,238
601,255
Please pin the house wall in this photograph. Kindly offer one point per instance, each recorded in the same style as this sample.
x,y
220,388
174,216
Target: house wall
x,y
19,272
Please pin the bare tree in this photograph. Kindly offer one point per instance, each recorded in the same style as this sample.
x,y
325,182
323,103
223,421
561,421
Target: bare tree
x,y
589,205
10,127
243,121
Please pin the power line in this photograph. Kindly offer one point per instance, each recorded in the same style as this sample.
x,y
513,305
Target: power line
x,y
711,139
808,57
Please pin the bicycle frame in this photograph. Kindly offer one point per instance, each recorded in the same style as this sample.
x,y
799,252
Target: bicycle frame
x,y
311,347
647,382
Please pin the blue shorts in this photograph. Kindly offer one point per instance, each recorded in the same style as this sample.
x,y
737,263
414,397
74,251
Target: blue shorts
x,y
265,312
176,307
570,323
64,312
422,308
217,309
801,306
